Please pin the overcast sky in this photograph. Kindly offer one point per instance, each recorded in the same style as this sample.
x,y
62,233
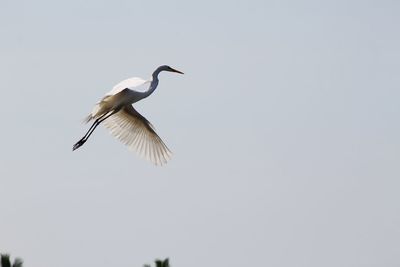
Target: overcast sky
x,y
285,133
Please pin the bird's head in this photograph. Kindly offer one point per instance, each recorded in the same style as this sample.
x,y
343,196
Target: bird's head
x,y
168,68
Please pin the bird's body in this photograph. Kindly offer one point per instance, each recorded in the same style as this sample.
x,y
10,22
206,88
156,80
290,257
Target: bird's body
x,y
125,123
123,93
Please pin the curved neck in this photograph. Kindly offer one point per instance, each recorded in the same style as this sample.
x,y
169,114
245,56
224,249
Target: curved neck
x,y
152,88
156,72
154,82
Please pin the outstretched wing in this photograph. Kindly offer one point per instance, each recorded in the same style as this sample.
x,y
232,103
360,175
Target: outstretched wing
x,y
138,134
130,83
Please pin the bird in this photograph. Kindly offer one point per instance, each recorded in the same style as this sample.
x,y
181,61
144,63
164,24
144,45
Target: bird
x,y
117,114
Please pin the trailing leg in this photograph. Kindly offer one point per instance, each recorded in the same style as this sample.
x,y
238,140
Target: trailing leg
x,y
92,128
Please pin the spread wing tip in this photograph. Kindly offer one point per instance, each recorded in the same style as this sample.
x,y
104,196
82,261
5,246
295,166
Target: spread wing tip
x,y
135,131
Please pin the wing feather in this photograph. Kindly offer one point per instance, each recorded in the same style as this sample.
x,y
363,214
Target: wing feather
x,y
130,83
135,131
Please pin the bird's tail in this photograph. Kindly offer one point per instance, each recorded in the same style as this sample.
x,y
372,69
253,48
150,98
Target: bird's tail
x,y
93,114
88,118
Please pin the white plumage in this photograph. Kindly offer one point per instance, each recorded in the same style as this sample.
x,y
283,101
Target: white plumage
x,y
138,134
130,83
125,123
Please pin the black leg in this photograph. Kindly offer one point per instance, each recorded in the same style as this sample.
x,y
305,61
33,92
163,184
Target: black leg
x,y
91,129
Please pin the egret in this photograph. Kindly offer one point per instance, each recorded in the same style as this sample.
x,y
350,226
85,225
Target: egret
x,y
125,123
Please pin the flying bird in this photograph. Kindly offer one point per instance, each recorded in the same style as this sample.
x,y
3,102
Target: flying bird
x,y
125,123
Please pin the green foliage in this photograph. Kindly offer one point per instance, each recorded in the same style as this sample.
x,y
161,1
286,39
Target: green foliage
x,y
160,263
6,262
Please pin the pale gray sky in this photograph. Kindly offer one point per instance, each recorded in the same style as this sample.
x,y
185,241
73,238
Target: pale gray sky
x,y
285,132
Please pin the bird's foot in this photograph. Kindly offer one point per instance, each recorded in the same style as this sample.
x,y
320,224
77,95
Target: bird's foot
x,y
78,144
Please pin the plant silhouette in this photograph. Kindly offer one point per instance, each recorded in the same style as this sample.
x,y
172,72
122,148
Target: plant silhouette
x,y
6,262
160,263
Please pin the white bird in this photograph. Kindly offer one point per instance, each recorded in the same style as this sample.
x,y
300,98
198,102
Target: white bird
x,y
125,123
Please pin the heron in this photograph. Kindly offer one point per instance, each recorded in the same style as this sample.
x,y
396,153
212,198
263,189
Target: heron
x,y
125,123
